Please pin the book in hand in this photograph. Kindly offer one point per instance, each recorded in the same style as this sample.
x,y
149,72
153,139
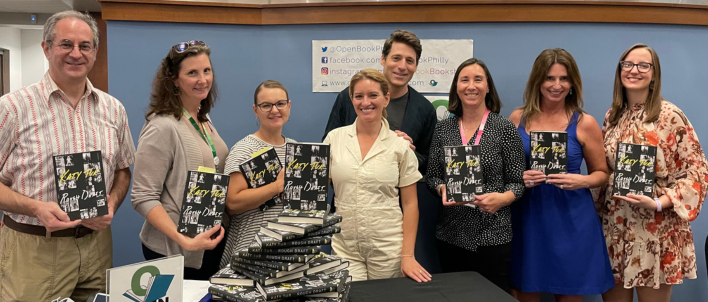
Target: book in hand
x,y
634,170
203,202
261,170
80,184
299,258
306,285
306,178
463,173
236,293
549,153
227,276
256,247
304,228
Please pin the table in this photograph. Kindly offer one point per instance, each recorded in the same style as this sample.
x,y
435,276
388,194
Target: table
x,y
451,287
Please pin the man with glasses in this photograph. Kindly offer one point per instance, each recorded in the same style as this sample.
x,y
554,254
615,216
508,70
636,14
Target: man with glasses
x,y
43,254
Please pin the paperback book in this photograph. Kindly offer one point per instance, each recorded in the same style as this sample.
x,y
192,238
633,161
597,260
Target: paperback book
x,y
463,173
549,153
304,228
236,293
289,236
299,258
260,170
255,247
634,170
306,285
227,276
203,202
306,179
80,184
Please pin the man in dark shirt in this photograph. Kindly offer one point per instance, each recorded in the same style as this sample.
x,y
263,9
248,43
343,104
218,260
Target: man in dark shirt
x,y
409,113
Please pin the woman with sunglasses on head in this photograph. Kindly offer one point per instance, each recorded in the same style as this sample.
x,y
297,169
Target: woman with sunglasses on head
x,y
247,207
371,166
477,238
178,136
555,222
649,239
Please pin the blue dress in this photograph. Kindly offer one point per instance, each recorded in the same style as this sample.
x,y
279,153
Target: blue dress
x,y
558,246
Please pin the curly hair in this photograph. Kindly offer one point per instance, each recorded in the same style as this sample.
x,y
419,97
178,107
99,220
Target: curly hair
x,y
164,98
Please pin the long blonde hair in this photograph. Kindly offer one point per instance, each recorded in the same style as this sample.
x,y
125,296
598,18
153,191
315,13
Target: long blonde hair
x,y
371,74
539,71
652,106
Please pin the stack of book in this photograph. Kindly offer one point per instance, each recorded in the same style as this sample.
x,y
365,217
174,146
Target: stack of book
x,y
284,262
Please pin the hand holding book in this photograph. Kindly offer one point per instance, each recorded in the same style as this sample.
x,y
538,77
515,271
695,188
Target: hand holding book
x,y
203,241
442,191
100,223
52,216
492,202
533,178
641,201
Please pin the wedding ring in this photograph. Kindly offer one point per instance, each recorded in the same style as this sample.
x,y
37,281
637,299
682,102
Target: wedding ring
x,y
420,271
531,183
561,186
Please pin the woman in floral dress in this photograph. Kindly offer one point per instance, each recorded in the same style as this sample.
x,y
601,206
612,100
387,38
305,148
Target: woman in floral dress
x,y
649,240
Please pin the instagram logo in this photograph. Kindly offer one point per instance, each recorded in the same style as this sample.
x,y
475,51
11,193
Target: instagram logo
x,y
324,70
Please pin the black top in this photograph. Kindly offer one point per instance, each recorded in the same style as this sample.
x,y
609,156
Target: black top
x,y
396,110
418,122
503,164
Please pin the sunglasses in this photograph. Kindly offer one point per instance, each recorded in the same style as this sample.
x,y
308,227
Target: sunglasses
x,y
182,47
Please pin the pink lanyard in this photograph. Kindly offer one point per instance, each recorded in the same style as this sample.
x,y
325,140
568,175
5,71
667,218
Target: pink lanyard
x,y
479,132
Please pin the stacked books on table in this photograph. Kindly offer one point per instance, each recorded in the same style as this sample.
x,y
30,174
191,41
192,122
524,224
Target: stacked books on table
x,y
285,263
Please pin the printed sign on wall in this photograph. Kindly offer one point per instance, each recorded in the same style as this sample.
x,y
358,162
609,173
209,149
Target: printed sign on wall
x,y
440,104
158,280
334,62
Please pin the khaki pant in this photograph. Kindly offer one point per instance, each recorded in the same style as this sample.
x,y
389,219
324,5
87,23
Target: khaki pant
x,y
34,268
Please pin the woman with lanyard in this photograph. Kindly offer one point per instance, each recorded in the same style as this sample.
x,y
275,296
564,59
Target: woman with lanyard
x,y
178,136
477,238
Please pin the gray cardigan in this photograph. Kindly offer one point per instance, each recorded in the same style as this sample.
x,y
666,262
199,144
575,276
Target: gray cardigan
x,y
166,150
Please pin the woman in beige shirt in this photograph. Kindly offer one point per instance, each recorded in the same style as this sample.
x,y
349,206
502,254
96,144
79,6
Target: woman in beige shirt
x,y
369,165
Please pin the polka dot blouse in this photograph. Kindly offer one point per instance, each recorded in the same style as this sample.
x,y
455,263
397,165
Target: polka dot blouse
x,y
503,164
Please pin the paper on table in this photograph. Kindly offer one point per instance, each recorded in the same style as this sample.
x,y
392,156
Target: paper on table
x,y
195,290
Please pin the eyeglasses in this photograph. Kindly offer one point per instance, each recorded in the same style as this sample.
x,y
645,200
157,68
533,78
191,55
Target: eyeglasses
x,y
641,67
67,46
267,107
182,47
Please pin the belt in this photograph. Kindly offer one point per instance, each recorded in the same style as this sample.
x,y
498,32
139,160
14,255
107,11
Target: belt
x,y
39,230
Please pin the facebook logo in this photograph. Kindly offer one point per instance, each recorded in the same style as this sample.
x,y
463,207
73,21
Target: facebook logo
x,y
324,60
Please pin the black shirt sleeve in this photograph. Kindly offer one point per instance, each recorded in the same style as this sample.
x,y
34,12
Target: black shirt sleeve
x,y
338,116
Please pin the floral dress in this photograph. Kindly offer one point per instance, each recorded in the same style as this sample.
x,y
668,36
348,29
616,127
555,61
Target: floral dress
x,y
648,248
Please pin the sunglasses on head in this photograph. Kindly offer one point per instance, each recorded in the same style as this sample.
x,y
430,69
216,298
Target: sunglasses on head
x,y
182,47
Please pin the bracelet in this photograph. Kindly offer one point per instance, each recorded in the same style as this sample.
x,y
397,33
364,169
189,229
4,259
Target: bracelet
x,y
658,204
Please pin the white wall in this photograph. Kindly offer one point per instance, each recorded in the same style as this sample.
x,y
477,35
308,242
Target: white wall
x,y
34,64
11,39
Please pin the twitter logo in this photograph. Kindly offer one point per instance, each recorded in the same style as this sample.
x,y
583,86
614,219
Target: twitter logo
x,y
433,83
324,49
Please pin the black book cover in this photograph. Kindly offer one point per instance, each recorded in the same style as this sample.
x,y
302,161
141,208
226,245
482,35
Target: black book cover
x,y
304,228
227,276
297,258
463,173
272,264
549,153
634,170
203,202
255,247
322,262
280,234
267,272
264,278
80,186
330,230
290,236
264,240
261,170
236,293
314,249
306,285
306,177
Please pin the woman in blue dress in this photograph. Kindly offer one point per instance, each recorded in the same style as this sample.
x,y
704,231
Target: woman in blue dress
x,y
558,246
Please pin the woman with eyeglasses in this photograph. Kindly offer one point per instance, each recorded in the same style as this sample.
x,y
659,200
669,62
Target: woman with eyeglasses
x,y
178,136
248,207
649,239
555,222
477,238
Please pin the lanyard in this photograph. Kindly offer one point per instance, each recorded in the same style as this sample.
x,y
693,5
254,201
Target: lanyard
x,y
205,136
479,132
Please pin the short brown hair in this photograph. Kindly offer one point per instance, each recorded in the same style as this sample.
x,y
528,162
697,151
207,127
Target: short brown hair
x,y
371,74
491,101
652,107
543,63
269,84
405,37
164,98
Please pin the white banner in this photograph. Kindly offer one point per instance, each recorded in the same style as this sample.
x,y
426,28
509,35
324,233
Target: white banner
x,y
334,62
158,280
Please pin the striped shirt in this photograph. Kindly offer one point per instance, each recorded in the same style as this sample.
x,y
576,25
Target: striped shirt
x,y
38,122
245,226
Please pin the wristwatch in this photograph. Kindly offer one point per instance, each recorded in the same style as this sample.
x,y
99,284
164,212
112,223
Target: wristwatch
x,y
658,204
